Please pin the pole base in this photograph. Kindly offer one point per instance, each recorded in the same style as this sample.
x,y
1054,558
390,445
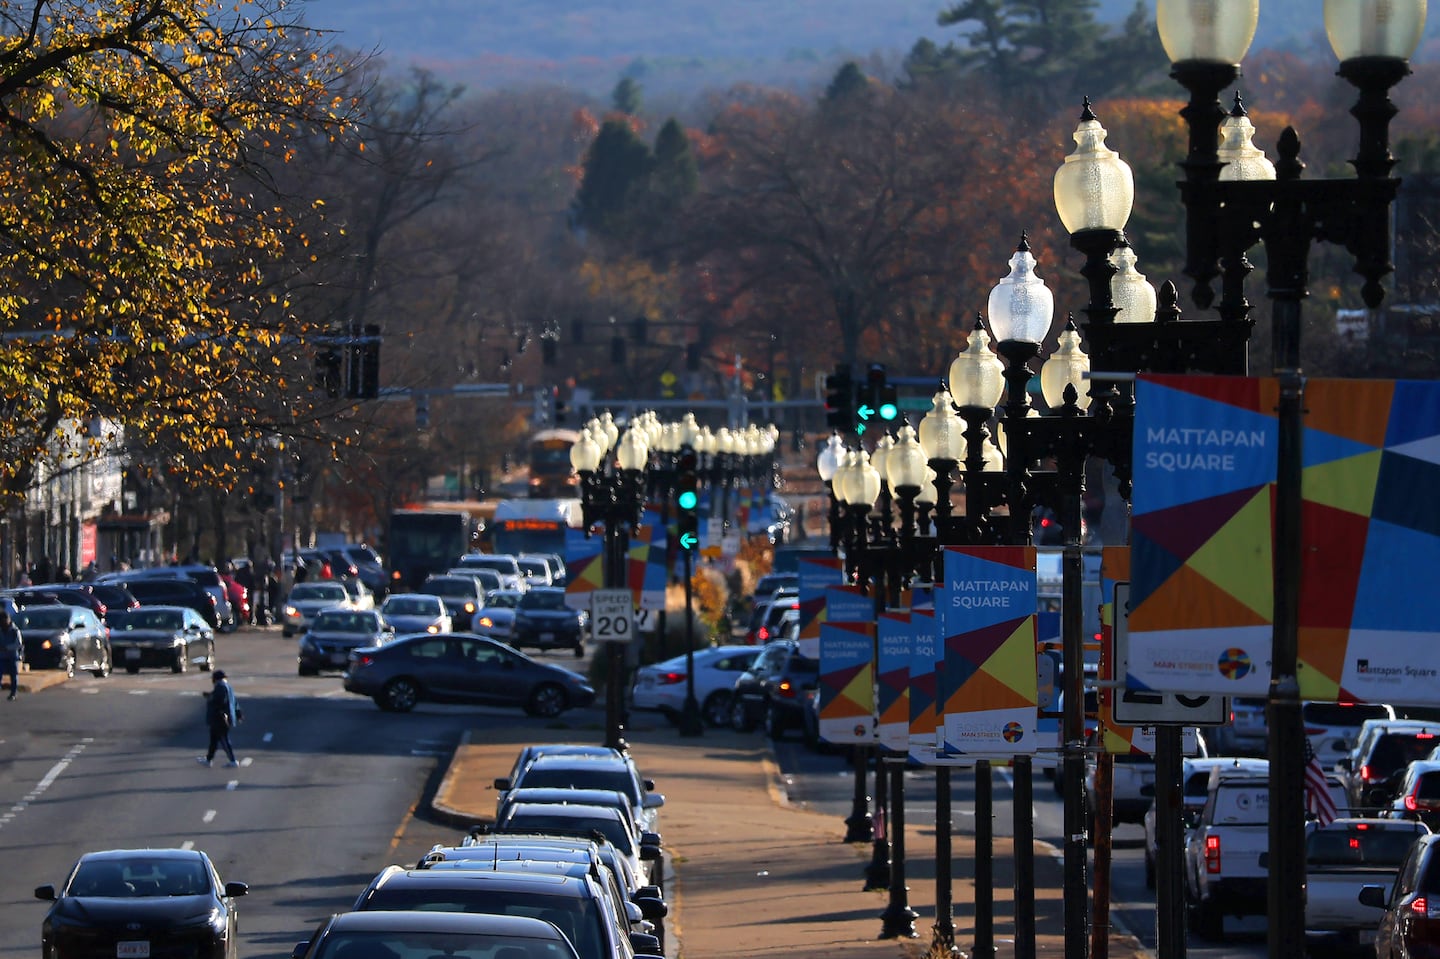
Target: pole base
x,y
942,942
899,923
859,828
690,722
877,874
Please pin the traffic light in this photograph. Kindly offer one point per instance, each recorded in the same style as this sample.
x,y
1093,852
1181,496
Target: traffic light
x,y
327,372
878,401
840,399
363,354
687,501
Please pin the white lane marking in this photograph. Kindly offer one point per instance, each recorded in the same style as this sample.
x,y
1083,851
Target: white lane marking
x,y
188,844
209,816
267,738
46,781
232,785
90,691
139,692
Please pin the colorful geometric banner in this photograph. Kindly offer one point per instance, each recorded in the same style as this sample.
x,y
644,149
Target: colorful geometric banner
x,y
895,644
817,572
1202,591
988,686
584,570
646,574
846,685
924,675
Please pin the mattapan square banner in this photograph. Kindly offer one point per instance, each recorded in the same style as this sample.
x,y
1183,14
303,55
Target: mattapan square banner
x,y
1203,565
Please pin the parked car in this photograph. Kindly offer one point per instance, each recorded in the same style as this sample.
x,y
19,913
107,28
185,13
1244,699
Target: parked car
x,y
462,668
566,795
772,690
208,578
580,820
334,633
496,618
1410,923
426,932
576,905
416,613
142,902
580,769
173,591
1382,750
306,600
172,637
662,687
66,638
544,621
461,595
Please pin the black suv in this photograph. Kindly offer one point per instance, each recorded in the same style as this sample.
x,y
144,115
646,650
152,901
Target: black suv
x,y
157,591
774,690
1385,749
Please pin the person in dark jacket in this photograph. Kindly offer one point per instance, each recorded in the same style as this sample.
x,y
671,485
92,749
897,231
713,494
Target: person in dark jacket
x,y
12,650
221,715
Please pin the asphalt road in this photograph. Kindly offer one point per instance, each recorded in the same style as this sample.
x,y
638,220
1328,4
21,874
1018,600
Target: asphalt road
x,y
325,797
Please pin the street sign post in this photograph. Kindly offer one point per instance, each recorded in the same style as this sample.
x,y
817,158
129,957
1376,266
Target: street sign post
x,y
612,616
1139,707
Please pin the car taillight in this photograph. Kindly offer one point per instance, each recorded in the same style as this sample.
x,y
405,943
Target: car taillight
x,y
670,679
1411,803
786,689
100,608
762,634
1212,855
1419,906
1365,774
364,660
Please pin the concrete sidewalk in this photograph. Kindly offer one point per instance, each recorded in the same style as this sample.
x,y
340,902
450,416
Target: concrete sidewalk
x,y
751,875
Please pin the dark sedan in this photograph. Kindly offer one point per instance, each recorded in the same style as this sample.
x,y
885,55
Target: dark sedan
x,y
454,935
171,637
542,620
138,903
335,633
462,668
66,638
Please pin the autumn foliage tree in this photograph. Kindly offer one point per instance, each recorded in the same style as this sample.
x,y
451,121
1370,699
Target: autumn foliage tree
x,y
137,220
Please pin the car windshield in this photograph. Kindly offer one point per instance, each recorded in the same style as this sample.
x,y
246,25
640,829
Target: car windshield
x,y
502,600
575,776
332,592
1395,751
417,944
338,622
43,617
136,878
411,606
537,820
450,587
1356,847
551,599
126,621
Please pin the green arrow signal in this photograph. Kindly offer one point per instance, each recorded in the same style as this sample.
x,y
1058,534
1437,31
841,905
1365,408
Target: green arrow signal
x,y
688,540
865,412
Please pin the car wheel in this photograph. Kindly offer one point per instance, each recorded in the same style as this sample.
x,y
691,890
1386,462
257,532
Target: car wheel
x,y
579,650
68,663
209,662
774,724
740,720
547,701
286,631
182,660
401,694
309,671
716,709
105,666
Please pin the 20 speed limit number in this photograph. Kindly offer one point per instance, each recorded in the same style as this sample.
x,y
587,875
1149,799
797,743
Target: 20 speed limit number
x,y
612,616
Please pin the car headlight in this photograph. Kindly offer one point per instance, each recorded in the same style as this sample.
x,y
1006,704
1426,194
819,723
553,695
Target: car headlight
x,y
291,611
215,919
433,628
470,608
45,644
487,622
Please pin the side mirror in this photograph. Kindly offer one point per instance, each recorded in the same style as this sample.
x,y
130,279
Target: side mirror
x,y
633,913
651,839
1373,896
503,783
653,909
644,944
650,853
46,892
652,800
233,889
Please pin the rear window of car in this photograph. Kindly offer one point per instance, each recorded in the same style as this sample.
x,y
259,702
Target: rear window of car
x,y
1343,714
1242,803
43,617
1394,751
569,777
579,919
1359,847
1429,786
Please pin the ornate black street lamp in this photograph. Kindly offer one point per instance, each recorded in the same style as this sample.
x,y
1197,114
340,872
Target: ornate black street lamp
x,y
612,493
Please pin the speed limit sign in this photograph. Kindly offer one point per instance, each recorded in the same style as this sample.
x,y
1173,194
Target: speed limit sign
x,y
612,616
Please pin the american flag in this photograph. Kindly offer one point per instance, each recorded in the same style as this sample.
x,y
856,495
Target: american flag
x,y
1318,801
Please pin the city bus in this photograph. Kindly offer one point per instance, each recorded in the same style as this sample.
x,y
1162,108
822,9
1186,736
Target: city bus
x,y
548,454
430,538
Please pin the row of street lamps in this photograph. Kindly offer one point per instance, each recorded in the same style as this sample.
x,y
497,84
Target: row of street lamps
x,y
1234,199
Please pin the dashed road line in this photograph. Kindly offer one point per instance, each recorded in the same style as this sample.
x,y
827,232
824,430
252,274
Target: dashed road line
x,y
45,782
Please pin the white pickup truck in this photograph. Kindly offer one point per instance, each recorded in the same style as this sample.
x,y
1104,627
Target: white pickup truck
x,y
1341,858
1225,854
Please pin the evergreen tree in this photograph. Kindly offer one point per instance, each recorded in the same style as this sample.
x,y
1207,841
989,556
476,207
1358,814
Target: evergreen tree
x,y
616,171
849,82
676,174
626,96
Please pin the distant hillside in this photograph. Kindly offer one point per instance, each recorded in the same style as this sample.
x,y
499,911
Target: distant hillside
x,y
679,46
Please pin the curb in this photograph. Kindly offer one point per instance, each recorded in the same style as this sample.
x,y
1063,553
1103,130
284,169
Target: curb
x,y
440,806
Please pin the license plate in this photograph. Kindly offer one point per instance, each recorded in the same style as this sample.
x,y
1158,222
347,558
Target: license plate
x,y
133,653
339,659
134,949
547,637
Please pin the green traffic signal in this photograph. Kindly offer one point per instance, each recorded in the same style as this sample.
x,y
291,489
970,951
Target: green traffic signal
x,y
888,411
688,499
